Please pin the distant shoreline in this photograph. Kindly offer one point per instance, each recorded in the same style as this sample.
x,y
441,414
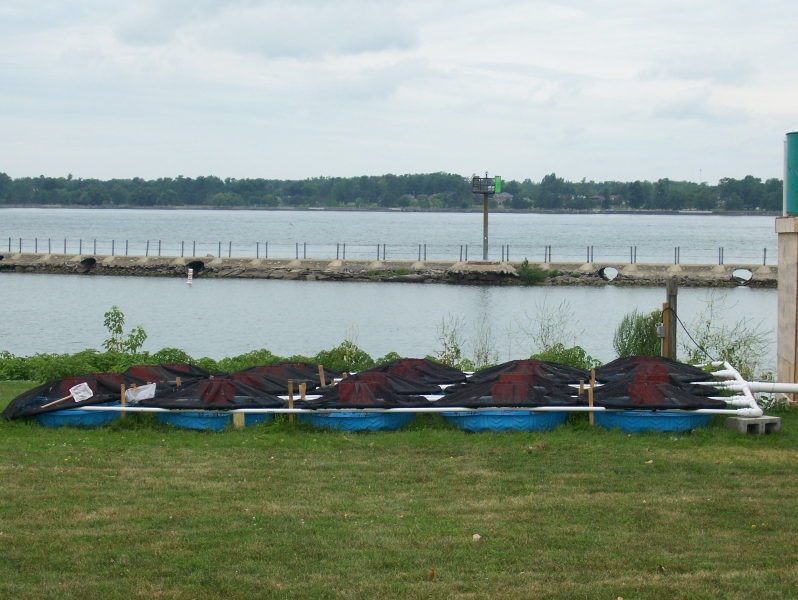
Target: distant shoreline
x,y
725,213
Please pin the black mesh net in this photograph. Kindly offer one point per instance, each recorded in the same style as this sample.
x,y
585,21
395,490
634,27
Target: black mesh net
x,y
650,395
511,389
421,370
214,394
351,393
106,388
297,372
655,369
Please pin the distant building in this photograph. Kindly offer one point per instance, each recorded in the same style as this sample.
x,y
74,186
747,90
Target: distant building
x,y
503,198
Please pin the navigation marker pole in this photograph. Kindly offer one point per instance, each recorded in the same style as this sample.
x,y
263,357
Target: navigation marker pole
x,y
485,186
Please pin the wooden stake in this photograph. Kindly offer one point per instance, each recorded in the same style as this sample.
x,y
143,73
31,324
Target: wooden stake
x,y
581,386
666,324
302,389
239,420
590,393
321,376
178,382
122,399
291,399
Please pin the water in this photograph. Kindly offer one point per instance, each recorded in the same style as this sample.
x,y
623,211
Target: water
x,y
217,318
237,232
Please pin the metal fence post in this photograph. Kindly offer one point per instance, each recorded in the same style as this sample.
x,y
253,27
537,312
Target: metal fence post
x,y
80,246
425,252
182,248
304,250
49,247
95,246
266,251
126,247
764,256
159,247
36,245
230,249
344,255
112,247
147,251
194,251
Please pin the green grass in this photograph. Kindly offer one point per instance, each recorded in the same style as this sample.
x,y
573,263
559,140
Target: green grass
x,y
137,510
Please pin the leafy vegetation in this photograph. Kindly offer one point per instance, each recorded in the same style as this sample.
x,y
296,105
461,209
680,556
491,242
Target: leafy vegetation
x,y
534,275
423,191
574,356
140,510
637,334
117,342
744,344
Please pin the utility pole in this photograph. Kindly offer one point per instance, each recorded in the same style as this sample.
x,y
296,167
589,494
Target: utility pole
x,y
485,186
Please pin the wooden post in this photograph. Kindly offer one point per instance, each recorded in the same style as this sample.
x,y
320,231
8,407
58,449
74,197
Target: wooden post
x,y
590,393
239,420
178,382
321,376
666,323
581,386
302,389
672,291
122,398
291,399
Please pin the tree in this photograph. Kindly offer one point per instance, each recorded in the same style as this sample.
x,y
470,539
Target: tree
x,y
636,195
114,322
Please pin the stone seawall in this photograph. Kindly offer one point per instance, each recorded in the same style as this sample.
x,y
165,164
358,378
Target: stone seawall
x,y
464,273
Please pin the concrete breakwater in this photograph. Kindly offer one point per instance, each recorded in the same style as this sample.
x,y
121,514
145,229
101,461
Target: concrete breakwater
x,y
464,273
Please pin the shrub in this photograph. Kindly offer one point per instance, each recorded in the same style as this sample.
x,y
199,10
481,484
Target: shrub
x,y
531,275
637,335
574,356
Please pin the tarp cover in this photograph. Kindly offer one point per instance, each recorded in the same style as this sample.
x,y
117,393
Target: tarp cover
x,y
214,394
397,383
350,393
550,374
298,372
655,369
511,390
105,387
167,374
421,370
651,395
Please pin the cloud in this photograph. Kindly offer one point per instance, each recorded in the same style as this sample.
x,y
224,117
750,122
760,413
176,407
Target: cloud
x,y
717,68
301,29
694,104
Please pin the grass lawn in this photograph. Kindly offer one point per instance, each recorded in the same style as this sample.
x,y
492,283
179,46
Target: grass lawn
x,y
137,510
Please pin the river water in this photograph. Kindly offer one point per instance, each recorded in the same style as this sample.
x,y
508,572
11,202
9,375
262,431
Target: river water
x,y
319,234
217,318
225,317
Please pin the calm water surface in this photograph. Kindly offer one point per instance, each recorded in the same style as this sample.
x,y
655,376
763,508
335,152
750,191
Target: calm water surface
x,y
287,232
217,318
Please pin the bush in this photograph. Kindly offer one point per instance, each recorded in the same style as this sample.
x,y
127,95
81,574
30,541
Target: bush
x,y
574,356
531,275
637,335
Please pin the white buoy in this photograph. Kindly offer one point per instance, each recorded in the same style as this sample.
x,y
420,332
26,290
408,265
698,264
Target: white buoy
x,y
190,279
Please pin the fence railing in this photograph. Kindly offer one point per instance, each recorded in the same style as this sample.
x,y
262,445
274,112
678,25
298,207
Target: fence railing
x,y
376,251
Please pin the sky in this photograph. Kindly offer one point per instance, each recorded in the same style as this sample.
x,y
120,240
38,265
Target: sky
x,y
605,89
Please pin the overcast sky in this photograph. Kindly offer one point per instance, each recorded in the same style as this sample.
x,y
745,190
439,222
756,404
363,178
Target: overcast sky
x,y
603,89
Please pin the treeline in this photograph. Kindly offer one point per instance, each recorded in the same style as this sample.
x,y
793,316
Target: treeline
x,y
425,191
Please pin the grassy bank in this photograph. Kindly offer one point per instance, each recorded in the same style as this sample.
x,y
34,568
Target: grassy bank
x,y
138,510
